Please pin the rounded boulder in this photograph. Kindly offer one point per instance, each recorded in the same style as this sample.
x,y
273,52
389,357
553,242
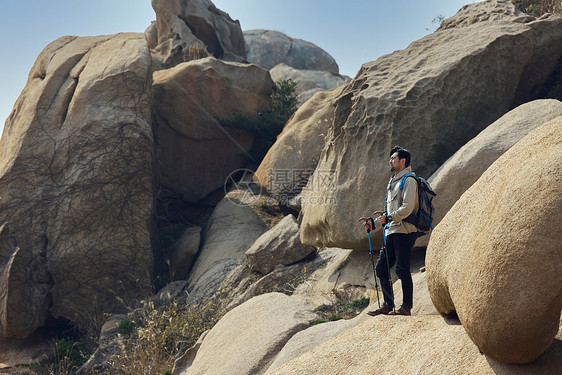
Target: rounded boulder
x,y
496,259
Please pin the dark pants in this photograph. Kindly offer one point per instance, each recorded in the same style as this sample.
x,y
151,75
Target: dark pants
x,y
398,250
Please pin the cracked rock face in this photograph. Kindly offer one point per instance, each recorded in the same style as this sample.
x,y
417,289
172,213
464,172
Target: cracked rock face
x,y
430,98
191,29
76,184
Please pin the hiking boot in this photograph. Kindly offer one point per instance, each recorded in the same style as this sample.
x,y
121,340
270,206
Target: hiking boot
x,y
384,310
402,311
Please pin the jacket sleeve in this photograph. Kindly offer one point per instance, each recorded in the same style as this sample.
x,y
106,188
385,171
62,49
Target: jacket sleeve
x,y
410,196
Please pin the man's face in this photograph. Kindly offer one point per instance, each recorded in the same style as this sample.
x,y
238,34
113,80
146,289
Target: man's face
x,y
396,164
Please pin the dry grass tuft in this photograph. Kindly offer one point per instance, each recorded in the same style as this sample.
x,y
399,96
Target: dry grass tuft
x,y
161,334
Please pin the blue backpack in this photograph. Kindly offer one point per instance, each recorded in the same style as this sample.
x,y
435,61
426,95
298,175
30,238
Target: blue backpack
x,y
423,218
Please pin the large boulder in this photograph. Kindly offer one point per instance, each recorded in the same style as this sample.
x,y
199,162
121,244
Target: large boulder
x,y
197,154
288,164
234,225
281,245
248,338
407,345
496,258
268,48
191,29
76,184
462,169
309,82
430,98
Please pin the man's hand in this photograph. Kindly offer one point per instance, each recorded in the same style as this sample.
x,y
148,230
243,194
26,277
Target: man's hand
x,y
382,219
369,223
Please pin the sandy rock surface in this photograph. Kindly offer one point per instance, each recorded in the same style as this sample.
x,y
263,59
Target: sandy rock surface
x,y
249,337
496,259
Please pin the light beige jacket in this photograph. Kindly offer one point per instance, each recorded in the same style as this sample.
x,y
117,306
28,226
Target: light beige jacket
x,y
401,203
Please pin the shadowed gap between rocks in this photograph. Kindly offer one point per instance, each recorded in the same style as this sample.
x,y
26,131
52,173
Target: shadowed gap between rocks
x,y
202,31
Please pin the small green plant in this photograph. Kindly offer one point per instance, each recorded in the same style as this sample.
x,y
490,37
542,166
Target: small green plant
x,y
341,310
267,125
70,355
284,100
126,327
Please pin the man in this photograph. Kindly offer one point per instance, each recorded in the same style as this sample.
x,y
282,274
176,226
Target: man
x,y
400,235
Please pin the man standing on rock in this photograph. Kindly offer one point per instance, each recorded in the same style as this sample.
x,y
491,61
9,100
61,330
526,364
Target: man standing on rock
x,y
400,202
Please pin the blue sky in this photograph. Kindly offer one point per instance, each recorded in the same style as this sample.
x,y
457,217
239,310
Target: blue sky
x,y
352,31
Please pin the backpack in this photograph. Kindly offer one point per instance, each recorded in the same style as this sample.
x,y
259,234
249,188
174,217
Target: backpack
x,y
423,218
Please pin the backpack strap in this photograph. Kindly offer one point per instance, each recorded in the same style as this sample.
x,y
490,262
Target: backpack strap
x,y
404,178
